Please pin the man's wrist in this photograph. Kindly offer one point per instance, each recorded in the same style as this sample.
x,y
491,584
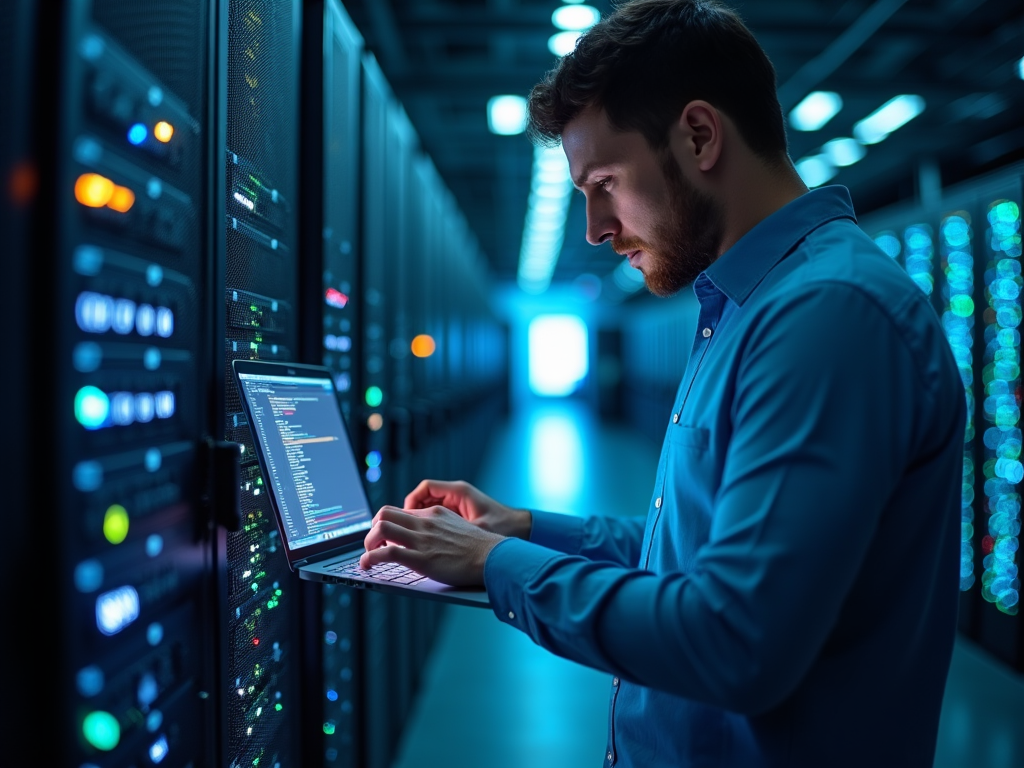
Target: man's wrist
x,y
524,524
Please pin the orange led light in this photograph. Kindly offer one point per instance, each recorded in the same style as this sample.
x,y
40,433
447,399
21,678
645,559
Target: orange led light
x,y
163,131
122,200
375,422
423,345
93,190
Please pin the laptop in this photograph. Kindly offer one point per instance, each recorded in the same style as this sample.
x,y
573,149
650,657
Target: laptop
x,y
315,483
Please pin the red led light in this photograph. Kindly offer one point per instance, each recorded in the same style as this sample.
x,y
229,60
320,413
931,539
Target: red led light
x,y
255,641
986,544
336,298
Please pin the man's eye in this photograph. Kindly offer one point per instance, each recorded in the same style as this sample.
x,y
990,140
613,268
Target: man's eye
x,y
604,183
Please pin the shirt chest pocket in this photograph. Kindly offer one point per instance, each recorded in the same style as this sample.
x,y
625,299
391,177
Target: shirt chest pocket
x,y
695,438
687,498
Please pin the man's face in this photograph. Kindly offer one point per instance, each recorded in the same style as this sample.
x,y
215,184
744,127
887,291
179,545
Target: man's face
x,y
640,200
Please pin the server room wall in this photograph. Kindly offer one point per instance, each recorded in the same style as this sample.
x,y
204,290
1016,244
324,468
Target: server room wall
x,y
198,181
964,250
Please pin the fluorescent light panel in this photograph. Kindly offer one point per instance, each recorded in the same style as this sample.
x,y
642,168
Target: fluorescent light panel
x,y
563,43
506,115
576,18
815,110
815,170
894,114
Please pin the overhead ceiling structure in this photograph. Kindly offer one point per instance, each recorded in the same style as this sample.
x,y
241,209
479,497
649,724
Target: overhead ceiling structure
x,y
958,64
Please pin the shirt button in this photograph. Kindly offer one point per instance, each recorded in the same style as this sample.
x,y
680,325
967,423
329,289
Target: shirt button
x,y
615,681
511,615
609,756
707,333
657,503
675,418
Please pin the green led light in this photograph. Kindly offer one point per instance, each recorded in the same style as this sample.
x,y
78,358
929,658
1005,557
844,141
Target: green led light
x,y
278,707
374,397
102,730
115,524
329,728
92,406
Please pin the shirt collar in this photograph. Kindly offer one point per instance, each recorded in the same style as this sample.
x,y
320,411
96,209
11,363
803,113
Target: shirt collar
x,y
738,271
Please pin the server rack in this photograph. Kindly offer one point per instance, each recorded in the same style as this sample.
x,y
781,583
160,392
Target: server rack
x,y
262,602
964,252
331,335
123,122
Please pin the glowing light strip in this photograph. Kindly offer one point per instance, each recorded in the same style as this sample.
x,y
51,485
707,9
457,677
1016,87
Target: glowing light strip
x,y
958,322
544,229
1003,469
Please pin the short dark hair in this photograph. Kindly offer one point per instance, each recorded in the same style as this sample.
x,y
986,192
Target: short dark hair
x,y
649,59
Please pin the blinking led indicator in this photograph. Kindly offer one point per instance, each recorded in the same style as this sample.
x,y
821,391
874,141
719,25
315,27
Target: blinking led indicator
x,y
102,730
93,190
423,345
92,407
374,396
163,131
115,524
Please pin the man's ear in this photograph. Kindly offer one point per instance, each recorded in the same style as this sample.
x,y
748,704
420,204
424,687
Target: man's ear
x,y
697,136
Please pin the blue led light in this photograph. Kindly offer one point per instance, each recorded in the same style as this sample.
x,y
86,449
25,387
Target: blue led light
x,y
373,459
158,750
116,609
88,576
373,474
90,681
1003,468
154,544
87,357
87,476
332,695
920,251
155,633
151,359
137,134
958,322
154,720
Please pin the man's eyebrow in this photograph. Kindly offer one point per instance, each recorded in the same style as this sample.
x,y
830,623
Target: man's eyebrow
x,y
584,174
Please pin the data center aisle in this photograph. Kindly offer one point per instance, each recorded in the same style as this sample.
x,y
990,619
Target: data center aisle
x,y
490,698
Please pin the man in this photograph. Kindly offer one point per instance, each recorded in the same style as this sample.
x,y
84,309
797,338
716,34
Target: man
x,y
791,598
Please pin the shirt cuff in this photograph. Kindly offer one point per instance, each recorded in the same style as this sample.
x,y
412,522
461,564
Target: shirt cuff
x,y
554,530
508,569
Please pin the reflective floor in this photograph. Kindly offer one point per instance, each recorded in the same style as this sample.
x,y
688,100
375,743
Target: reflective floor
x,y
492,699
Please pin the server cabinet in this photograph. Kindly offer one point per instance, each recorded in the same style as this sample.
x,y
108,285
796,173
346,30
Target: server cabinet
x,y
121,255
332,49
261,612
965,254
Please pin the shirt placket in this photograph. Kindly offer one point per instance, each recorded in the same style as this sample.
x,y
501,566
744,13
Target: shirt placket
x,y
711,303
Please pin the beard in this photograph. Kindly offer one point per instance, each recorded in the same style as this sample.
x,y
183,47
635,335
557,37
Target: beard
x,y
684,245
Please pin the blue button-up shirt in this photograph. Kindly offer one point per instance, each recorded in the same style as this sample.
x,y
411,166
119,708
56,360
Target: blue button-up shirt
x,y
791,598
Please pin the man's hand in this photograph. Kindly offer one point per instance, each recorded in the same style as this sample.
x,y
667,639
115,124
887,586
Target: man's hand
x,y
476,507
433,541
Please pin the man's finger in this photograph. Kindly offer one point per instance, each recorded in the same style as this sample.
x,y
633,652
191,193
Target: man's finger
x,y
387,554
428,493
388,532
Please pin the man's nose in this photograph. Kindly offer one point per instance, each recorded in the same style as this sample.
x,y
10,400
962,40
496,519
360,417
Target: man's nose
x,y
601,224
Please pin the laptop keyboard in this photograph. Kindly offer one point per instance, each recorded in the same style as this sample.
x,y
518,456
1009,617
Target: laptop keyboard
x,y
393,572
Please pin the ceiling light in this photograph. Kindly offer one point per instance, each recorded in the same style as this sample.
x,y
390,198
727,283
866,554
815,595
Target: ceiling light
x,y
563,43
575,17
843,152
887,118
815,110
506,115
544,228
815,170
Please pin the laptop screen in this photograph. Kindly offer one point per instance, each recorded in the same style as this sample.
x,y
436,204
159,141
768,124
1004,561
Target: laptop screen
x,y
306,457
